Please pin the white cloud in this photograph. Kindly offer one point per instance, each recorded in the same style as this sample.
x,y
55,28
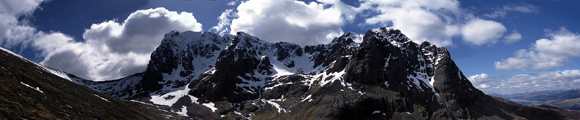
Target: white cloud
x,y
142,31
112,50
420,20
551,80
51,42
18,7
507,9
526,8
480,80
478,77
549,52
291,21
513,37
14,33
479,31
17,34
436,21
224,21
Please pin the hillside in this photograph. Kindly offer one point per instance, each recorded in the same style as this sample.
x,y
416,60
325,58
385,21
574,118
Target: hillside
x,y
30,91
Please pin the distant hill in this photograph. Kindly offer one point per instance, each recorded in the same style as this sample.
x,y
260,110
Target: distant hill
x,y
567,99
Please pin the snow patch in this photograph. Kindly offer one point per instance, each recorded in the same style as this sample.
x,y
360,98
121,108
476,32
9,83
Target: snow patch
x,y
330,78
58,73
277,85
102,98
210,105
237,113
34,88
193,99
140,102
276,105
432,81
170,98
302,64
418,79
183,111
361,93
307,98
280,71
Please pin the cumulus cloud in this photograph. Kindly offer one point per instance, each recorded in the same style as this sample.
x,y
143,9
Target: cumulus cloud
x,y
142,31
550,52
520,83
478,31
51,42
479,80
437,21
420,20
112,49
478,77
513,37
16,7
291,21
15,33
224,21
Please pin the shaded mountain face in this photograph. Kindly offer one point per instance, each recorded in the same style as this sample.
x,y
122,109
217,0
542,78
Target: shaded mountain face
x,y
386,76
30,91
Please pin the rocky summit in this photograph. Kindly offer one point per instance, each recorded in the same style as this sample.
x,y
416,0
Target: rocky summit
x,y
382,75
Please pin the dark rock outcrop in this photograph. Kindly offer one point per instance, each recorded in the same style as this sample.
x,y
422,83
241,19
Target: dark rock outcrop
x,y
386,76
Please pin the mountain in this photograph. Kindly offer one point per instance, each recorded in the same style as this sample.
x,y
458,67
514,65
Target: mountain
x,y
30,91
567,99
386,76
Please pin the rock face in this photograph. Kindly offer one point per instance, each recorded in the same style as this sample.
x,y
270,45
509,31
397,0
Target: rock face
x,y
386,76
30,91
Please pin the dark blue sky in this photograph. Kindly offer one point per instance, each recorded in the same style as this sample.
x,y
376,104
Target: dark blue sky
x,y
74,16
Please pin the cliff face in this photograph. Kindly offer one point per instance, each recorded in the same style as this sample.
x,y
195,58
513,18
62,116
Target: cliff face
x,y
386,76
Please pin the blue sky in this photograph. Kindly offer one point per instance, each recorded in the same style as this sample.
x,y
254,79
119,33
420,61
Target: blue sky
x,y
532,19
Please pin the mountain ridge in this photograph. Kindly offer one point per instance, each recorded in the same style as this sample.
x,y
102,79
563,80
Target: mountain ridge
x,y
386,76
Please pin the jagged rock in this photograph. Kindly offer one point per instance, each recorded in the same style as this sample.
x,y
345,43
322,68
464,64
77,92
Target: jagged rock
x,y
386,76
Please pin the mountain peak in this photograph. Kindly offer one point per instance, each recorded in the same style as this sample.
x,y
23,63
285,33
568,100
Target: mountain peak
x,y
242,77
388,36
